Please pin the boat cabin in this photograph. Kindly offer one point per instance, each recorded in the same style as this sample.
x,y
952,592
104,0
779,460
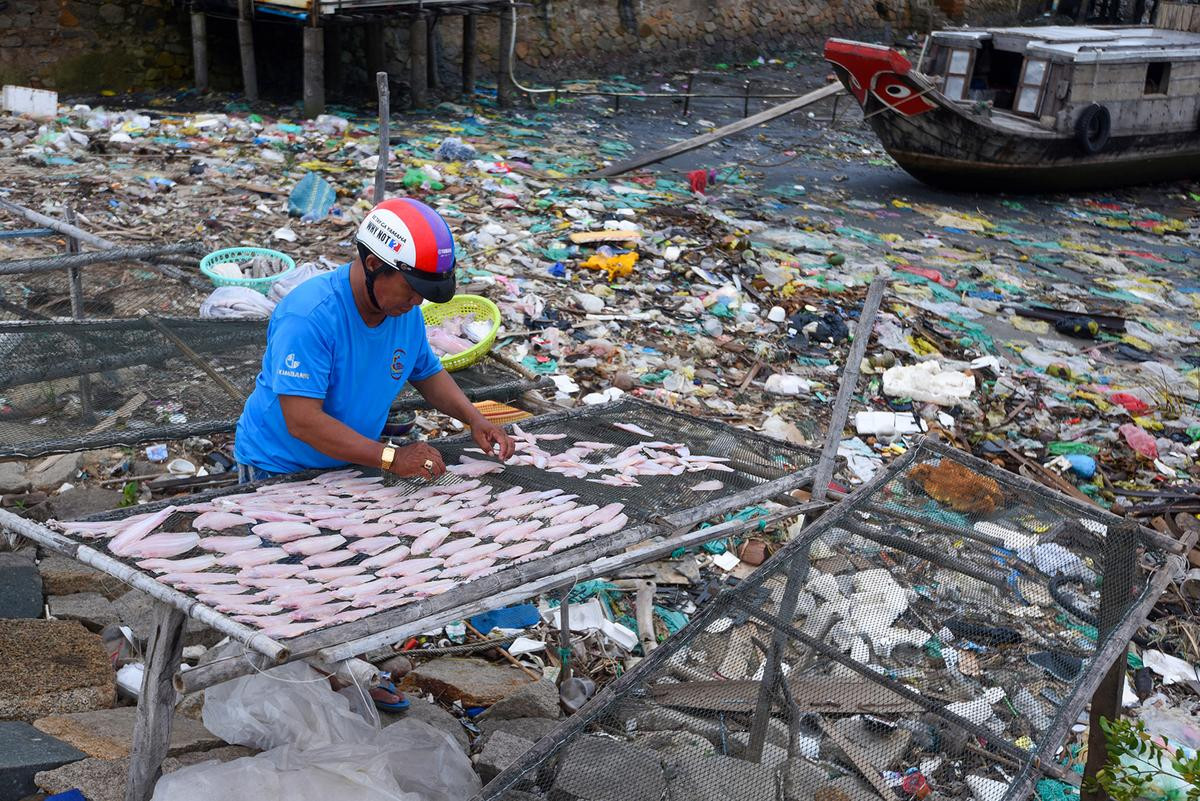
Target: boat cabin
x,y
1148,79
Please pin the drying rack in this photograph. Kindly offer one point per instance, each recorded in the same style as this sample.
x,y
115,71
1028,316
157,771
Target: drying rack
x,y
663,514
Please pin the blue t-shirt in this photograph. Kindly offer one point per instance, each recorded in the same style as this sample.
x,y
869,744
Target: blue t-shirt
x,y
319,347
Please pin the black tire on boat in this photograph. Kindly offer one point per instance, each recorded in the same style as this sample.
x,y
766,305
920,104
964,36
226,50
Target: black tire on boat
x,y
1092,129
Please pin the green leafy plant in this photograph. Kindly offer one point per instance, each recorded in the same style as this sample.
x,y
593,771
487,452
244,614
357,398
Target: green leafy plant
x,y
129,493
1137,761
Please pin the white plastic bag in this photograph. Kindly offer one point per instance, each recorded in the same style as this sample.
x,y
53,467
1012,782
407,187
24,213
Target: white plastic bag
x,y
236,302
303,272
319,748
927,382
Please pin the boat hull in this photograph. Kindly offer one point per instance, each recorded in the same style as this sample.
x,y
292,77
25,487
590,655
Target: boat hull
x,y
945,145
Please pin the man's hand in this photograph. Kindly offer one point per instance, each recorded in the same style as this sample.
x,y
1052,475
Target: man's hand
x,y
488,435
411,462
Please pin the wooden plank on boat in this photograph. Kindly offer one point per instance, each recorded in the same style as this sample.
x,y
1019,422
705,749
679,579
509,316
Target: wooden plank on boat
x,y
811,694
720,133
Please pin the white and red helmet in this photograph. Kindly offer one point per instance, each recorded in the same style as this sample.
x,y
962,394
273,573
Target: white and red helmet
x,y
409,236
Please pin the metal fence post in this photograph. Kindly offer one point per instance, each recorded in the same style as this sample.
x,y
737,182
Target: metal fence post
x,y
75,289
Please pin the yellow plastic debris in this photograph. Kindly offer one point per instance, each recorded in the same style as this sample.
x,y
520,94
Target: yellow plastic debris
x,y
620,265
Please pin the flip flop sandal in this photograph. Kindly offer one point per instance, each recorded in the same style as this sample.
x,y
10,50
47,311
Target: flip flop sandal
x,y
388,689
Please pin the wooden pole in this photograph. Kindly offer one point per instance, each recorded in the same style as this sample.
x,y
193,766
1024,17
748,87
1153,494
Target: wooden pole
x,y
644,607
504,87
200,50
507,656
432,79
385,149
841,405
314,70
156,704
564,634
192,356
753,120
75,279
417,76
1120,564
245,29
468,55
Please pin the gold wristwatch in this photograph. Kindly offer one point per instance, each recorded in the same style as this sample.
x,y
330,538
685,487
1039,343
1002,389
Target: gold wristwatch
x,y
389,455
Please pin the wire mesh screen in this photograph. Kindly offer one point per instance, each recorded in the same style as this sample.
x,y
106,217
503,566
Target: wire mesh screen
x,y
361,547
69,385
934,633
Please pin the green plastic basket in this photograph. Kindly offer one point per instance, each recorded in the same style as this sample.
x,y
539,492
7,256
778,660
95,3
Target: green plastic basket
x,y
458,306
262,285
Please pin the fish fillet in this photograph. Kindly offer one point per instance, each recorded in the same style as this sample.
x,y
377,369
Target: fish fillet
x,y
285,531
373,545
416,578
328,573
471,554
230,544
219,521
414,529
129,535
430,588
574,515
472,524
321,613
328,558
271,570
194,565
454,546
602,515
197,579
519,532
708,486
259,556
429,540
314,545
633,429
386,558
553,533
614,525
469,568
365,530
410,567
515,512
518,549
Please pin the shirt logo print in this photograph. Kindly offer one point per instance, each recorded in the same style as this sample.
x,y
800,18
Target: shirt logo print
x,y
291,361
398,363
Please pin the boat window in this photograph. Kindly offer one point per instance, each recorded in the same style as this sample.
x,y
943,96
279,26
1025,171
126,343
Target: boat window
x,y
1030,90
956,73
1158,76
995,76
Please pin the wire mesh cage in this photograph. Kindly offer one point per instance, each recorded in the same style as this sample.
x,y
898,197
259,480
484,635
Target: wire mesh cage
x,y
753,468
938,631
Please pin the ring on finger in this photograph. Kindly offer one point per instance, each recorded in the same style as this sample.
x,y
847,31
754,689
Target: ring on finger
x,y
429,466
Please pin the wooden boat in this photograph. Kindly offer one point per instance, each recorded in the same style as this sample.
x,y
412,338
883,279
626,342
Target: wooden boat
x,y
1034,109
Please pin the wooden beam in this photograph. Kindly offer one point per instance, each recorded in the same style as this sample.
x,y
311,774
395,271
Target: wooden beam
x,y
469,55
504,85
432,79
417,44
727,130
849,382
200,50
314,70
193,357
156,704
385,149
245,29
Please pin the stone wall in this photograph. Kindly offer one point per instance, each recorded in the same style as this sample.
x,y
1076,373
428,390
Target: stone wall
x,y
84,46
93,45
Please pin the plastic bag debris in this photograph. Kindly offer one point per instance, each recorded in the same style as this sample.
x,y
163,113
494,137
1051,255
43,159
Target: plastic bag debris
x,y
317,749
928,383
236,303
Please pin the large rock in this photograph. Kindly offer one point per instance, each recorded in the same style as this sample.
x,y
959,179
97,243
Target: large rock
x,y
885,750
24,751
91,609
105,779
532,729
20,587
136,609
13,479
473,682
432,714
499,750
601,769
63,668
81,502
537,699
62,575
108,733
58,472
707,776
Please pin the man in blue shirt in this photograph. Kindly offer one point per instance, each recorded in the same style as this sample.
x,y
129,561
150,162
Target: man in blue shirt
x,y
341,346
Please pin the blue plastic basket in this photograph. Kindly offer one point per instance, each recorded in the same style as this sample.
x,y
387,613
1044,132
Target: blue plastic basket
x,y
239,255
